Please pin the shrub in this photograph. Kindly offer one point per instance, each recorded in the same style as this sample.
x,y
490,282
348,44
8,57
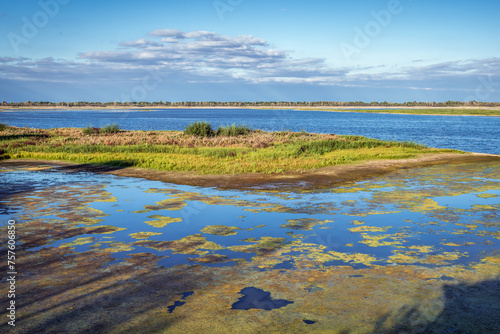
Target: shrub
x,y
3,127
199,129
113,128
233,130
91,130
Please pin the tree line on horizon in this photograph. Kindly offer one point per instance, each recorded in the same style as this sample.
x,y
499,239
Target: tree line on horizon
x,y
251,104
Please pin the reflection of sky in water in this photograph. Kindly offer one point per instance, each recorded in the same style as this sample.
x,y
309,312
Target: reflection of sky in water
x,y
424,213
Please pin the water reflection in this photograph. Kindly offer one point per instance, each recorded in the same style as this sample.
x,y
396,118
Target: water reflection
x,y
411,231
431,216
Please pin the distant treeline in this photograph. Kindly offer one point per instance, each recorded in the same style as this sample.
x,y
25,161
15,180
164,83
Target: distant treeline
x,y
252,104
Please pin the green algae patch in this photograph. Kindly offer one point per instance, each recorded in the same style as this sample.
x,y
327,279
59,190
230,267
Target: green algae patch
x,y
192,244
487,195
358,258
105,229
78,242
118,247
162,221
444,258
255,227
357,222
262,246
221,230
383,239
306,224
144,235
453,244
214,259
370,229
171,204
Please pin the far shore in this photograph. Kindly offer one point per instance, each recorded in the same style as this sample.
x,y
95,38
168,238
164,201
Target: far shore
x,y
441,111
315,179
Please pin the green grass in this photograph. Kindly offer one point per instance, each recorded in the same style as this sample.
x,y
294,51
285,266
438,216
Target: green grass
x,y
232,153
3,127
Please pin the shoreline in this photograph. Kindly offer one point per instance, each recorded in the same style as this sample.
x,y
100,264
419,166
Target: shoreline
x,y
361,109
309,180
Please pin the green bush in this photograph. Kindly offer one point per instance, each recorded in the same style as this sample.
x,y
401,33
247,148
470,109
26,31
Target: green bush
x,y
199,129
89,130
233,130
3,127
113,128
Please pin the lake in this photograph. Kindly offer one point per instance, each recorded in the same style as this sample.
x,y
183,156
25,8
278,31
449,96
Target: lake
x,y
416,248
467,133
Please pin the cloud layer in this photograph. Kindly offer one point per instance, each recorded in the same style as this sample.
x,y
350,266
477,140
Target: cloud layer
x,y
208,57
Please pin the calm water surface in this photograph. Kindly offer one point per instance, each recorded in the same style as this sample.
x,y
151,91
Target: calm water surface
x,y
435,216
473,134
99,253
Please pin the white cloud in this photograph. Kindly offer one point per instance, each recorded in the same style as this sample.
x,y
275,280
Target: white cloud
x,y
208,57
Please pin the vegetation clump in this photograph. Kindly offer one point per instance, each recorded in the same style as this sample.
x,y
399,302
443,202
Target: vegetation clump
x,y
204,129
233,130
199,129
3,127
89,130
108,129
112,128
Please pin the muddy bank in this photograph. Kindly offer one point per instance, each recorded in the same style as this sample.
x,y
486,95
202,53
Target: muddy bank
x,y
319,178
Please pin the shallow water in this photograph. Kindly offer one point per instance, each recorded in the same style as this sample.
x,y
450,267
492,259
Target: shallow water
x,y
404,233
437,215
472,134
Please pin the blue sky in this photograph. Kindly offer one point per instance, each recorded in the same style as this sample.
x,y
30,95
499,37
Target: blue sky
x,y
250,50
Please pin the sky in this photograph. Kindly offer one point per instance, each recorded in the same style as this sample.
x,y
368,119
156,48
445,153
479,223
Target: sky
x,y
249,50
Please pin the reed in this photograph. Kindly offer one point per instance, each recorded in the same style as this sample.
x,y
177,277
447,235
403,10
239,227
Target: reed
x,y
228,152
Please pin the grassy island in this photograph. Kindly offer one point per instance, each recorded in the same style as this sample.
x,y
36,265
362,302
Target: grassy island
x,y
201,149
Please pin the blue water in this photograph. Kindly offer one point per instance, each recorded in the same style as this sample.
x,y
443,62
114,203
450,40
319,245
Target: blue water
x,y
467,133
447,215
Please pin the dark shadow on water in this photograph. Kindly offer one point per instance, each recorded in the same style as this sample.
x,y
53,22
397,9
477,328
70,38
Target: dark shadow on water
x,y
259,299
179,302
468,308
105,167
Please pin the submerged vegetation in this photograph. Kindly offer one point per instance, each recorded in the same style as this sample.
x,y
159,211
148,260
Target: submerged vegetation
x,y
227,150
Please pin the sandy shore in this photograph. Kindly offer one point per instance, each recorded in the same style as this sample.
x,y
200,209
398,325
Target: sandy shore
x,y
319,178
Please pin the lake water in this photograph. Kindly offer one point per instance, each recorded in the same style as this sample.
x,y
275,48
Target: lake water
x,y
101,253
417,248
467,133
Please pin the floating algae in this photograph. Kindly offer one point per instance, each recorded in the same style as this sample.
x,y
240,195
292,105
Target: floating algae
x,y
407,268
304,223
187,245
144,235
162,221
220,230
